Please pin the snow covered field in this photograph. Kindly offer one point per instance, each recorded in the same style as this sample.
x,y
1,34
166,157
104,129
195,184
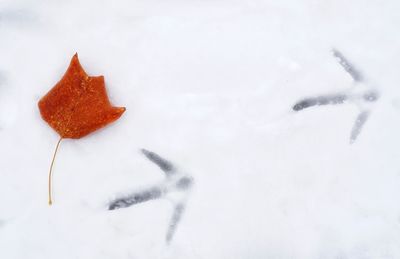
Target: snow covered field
x,y
209,86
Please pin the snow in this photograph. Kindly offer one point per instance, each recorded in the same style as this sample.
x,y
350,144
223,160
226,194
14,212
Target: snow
x,y
210,86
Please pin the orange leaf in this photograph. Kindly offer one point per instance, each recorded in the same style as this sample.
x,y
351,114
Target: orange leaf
x,y
76,106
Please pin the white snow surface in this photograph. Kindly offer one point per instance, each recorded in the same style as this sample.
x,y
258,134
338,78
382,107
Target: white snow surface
x,y
208,85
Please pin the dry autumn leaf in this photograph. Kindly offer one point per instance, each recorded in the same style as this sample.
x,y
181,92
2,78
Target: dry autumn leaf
x,y
76,106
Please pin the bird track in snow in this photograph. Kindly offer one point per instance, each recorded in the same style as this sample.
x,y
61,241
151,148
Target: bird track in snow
x,y
175,181
363,98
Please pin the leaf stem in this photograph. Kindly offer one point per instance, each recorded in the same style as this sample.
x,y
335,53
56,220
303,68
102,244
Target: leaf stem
x,y
51,170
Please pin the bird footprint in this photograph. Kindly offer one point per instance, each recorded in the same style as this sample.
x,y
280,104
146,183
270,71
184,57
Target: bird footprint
x,y
175,181
363,99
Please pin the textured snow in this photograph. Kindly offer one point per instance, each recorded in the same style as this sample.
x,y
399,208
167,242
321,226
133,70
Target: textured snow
x,y
210,86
